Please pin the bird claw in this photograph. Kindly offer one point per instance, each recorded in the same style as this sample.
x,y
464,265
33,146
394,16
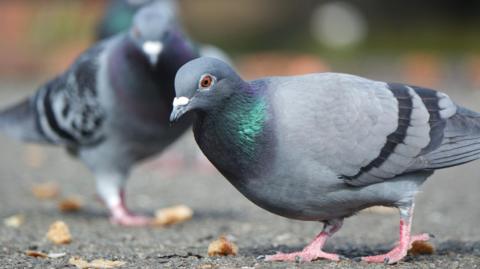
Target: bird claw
x,y
386,260
298,259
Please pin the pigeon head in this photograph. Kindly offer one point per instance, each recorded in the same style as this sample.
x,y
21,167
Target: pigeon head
x,y
152,28
203,84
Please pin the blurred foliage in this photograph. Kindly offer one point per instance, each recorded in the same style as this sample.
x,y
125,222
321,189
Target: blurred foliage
x,y
46,35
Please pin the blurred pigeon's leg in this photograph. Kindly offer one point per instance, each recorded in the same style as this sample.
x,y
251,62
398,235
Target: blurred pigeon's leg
x,y
110,188
404,243
314,250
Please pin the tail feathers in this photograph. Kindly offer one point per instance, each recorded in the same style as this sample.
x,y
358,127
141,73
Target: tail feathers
x,y
20,122
461,142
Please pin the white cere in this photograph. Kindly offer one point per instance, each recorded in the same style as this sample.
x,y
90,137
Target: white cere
x,y
180,101
152,47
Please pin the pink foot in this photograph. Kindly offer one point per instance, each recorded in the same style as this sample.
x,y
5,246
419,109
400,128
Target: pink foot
x,y
393,256
306,255
130,220
314,250
121,216
405,242
397,253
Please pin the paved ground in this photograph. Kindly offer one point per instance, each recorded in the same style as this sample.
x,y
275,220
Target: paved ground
x,y
448,207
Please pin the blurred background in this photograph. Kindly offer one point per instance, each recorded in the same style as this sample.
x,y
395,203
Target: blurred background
x,y
421,42
431,43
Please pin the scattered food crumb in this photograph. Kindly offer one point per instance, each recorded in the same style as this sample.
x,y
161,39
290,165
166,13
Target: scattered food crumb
x,y
46,191
421,248
14,221
382,210
70,204
172,215
36,254
59,233
56,255
99,263
222,247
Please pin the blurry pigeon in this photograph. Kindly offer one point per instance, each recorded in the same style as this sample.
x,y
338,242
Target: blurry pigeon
x,y
112,106
118,17
119,14
324,146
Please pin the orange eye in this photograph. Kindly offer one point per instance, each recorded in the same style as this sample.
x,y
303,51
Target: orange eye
x,y
206,81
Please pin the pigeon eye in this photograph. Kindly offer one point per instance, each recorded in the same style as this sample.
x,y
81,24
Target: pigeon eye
x,y
206,81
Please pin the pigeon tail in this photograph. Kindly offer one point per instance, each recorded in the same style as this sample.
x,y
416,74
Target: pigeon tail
x,y
20,122
461,142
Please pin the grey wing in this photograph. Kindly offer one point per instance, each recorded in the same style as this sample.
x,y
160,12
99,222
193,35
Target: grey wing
x,y
69,110
363,131
422,125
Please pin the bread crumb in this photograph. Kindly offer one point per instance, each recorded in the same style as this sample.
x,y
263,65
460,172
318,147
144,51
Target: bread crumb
x,y
99,263
70,204
14,221
46,191
172,215
421,248
36,254
222,247
59,233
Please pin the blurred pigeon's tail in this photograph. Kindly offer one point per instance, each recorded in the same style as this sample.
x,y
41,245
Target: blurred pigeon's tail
x,y
461,142
20,122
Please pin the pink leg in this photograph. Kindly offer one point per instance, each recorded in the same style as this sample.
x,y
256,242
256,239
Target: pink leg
x,y
314,250
405,242
110,190
120,215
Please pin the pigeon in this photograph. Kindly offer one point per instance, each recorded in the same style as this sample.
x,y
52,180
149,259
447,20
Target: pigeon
x,y
321,147
111,107
118,17
119,14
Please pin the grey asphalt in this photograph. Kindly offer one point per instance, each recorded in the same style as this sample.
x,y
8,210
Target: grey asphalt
x,y
448,207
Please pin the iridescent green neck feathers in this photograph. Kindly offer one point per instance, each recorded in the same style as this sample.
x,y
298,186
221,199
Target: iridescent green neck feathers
x,y
244,120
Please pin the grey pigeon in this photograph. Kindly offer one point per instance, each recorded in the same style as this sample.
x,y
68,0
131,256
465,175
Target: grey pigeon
x,y
322,147
119,15
111,107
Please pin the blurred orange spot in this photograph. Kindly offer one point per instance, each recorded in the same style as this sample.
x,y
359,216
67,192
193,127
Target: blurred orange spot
x,y
64,56
280,64
43,37
422,69
45,191
474,71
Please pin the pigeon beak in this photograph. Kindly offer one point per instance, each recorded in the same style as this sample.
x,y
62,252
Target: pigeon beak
x,y
180,105
152,49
